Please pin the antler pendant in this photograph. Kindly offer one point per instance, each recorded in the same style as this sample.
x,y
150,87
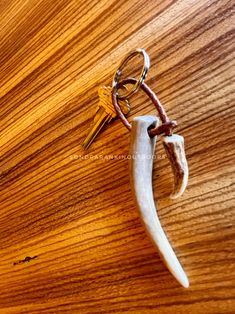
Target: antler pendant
x,y
141,166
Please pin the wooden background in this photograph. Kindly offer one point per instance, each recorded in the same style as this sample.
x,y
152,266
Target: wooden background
x,y
71,240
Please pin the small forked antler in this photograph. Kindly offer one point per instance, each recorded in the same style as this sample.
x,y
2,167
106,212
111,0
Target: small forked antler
x,y
174,147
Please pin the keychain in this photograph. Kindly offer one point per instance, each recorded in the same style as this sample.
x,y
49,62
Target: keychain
x,y
144,132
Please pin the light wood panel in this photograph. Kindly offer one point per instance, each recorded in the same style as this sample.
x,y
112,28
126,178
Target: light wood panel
x,y
71,212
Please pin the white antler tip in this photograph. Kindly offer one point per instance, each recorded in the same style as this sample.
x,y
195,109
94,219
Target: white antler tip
x,y
184,281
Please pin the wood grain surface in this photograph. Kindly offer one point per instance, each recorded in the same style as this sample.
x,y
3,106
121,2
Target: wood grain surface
x,y
71,238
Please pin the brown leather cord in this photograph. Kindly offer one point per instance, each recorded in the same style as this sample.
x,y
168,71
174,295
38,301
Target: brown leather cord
x,y
167,125
165,128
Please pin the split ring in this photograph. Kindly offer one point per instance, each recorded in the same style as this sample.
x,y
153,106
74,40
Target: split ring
x,y
142,77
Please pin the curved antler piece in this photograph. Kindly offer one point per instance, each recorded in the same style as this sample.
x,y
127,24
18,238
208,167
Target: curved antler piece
x,y
174,147
141,165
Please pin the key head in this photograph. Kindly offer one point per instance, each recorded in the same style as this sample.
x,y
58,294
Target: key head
x,y
105,95
105,112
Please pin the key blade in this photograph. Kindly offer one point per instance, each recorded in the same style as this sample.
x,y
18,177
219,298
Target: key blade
x,y
100,120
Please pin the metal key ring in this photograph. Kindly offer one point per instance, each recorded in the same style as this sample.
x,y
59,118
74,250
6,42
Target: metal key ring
x,y
142,77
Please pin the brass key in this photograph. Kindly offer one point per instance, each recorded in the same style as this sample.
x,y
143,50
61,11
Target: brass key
x,y
104,114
